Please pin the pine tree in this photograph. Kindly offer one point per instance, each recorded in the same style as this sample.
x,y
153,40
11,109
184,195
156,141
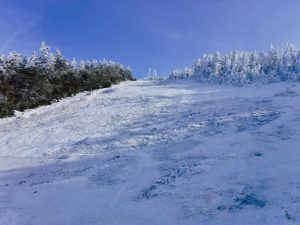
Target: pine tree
x,y
272,63
2,64
14,61
60,63
31,64
254,67
74,65
94,64
45,60
218,64
82,65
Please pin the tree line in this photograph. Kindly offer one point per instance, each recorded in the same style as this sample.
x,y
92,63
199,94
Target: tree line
x,y
240,67
42,78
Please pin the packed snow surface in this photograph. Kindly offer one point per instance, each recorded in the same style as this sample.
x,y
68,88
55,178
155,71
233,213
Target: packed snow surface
x,y
150,152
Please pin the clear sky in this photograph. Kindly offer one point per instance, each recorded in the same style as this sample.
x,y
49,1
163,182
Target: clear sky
x,y
162,34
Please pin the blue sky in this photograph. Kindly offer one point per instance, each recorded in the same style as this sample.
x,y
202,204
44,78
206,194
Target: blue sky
x,y
162,34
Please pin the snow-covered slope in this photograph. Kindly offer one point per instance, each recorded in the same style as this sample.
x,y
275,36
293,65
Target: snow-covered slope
x,y
155,153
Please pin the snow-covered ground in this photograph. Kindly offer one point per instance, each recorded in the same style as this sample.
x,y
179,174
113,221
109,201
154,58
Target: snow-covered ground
x,y
162,153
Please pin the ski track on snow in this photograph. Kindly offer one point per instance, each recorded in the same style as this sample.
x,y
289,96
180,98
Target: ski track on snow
x,y
150,152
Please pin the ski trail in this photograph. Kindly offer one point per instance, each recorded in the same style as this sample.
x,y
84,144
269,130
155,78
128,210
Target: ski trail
x,y
155,153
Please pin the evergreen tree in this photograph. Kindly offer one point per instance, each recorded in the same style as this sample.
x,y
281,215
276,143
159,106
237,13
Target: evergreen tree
x,y
218,64
254,67
82,65
31,64
74,65
2,64
45,60
14,61
60,64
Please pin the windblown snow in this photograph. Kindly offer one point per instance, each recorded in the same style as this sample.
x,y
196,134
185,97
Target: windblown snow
x,y
150,152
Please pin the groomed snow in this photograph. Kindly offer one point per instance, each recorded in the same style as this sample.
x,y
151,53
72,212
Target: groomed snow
x,y
150,152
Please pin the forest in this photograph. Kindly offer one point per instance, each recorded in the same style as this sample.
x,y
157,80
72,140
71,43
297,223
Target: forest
x,y
45,77
241,67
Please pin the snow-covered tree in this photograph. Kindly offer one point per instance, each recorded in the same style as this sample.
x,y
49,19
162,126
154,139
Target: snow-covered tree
x,y
218,63
289,60
31,61
82,65
254,67
45,60
60,64
14,60
73,64
2,64
272,64
94,64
